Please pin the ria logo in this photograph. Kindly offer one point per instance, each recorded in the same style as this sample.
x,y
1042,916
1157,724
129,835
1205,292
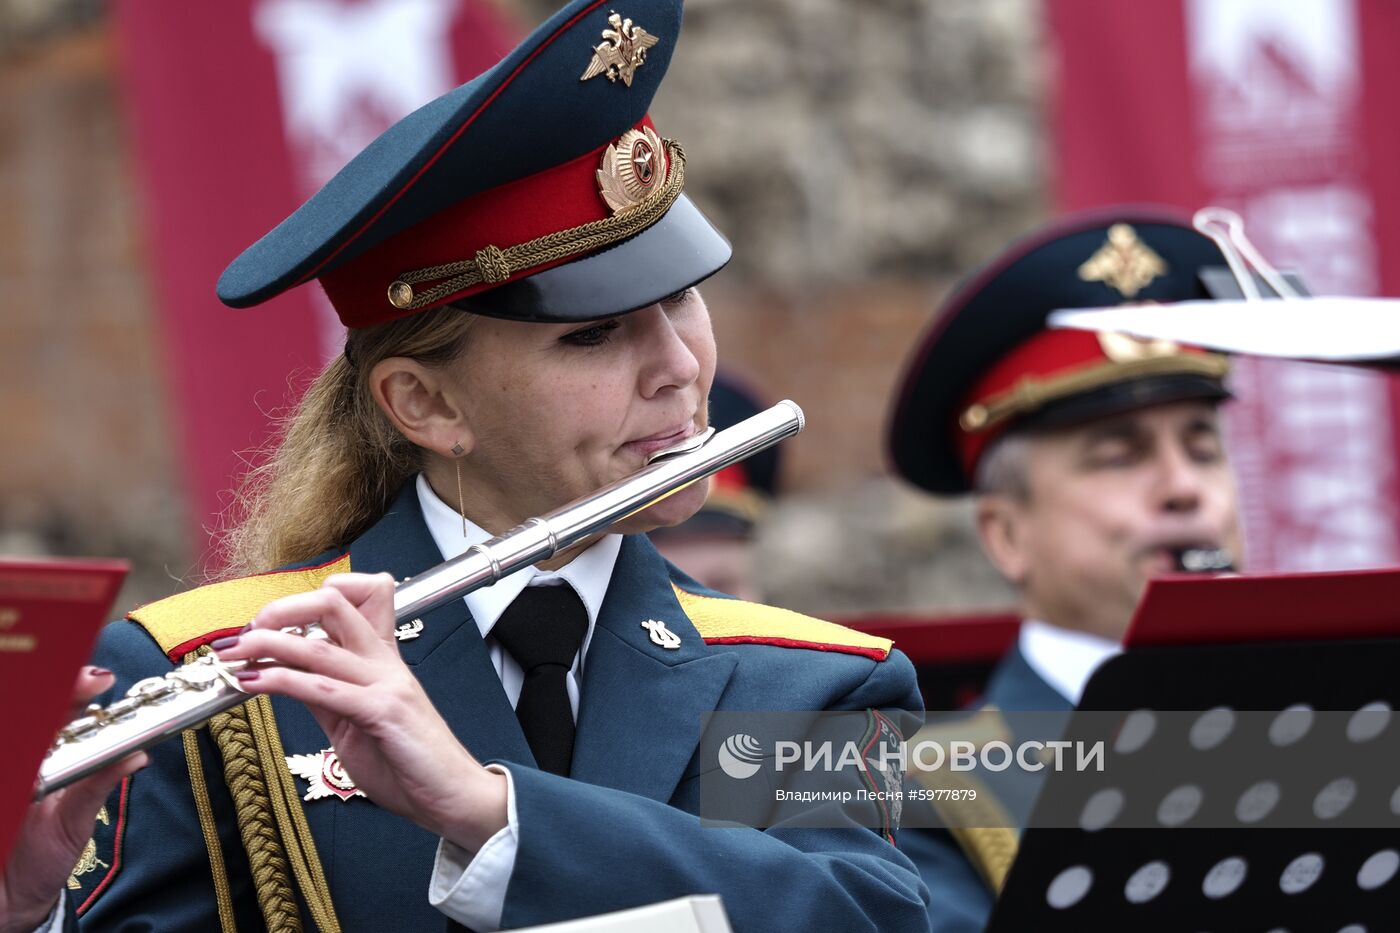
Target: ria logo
x,y
740,756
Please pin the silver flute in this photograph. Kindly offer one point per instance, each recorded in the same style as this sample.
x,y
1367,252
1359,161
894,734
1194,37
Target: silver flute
x,y
158,708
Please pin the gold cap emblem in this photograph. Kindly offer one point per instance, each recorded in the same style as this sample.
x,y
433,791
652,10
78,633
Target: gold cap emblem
x,y
632,169
1124,262
622,51
1125,348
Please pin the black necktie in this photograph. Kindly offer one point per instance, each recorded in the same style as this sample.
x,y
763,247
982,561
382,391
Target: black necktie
x,y
543,630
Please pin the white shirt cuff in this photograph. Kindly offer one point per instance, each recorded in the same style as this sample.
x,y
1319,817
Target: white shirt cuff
x,y
472,889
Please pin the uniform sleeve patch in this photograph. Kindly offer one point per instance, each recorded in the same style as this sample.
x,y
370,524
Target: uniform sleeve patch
x,y
102,856
735,622
880,746
183,622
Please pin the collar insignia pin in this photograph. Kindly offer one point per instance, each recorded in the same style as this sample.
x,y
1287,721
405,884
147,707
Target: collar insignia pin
x,y
622,51
324,775
661,635
1124,262
409,630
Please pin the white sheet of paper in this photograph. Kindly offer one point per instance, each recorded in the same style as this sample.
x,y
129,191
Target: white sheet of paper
x,y
1327,329
699,913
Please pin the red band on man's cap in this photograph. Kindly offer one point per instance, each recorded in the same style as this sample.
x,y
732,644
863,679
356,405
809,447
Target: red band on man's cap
x,y
1049,359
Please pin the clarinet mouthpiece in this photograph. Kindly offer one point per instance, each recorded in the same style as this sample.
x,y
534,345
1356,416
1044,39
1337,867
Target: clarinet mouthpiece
x,y
1204,560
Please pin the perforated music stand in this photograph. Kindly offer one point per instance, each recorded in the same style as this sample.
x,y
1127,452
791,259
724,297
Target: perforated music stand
x,y
1267,812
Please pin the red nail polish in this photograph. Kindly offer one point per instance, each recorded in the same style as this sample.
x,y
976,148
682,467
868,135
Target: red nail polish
x,y
220,644
248,675
96,671
246,628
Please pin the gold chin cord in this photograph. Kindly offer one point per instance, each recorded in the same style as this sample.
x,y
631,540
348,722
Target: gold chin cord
x,y
159,708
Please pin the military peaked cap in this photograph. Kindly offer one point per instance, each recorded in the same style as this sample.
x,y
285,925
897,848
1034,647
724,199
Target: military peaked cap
x,y
988,363
538,191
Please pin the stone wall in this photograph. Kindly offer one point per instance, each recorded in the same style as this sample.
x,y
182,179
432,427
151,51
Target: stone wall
x,y
27,24
88,455
839,143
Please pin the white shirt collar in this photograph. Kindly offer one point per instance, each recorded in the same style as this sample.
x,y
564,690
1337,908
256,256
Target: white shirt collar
x,y
1063,658
589,573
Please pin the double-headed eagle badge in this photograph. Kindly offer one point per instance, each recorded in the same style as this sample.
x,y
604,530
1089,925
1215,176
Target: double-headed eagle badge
x,y
1124,262
622,51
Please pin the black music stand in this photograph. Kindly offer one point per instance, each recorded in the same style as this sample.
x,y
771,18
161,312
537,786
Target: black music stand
x,y
1254,735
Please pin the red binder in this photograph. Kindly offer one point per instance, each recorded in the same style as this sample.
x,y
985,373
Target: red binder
x,y
50,614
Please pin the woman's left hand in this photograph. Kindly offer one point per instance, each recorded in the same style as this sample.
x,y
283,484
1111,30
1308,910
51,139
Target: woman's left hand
x,y
386,733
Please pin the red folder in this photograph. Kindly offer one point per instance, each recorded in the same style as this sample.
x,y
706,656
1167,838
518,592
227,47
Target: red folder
x,y
1193,610
50,614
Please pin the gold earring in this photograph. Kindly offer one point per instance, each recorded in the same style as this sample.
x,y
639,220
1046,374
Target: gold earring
x,y
457,452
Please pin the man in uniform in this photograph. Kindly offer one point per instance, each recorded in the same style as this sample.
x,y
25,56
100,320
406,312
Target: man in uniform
x,y
1096,462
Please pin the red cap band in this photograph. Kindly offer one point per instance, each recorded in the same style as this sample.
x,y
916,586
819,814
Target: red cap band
x,y
1051,365
556,199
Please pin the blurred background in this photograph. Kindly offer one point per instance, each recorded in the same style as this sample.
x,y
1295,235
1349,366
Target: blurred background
x,y
861,157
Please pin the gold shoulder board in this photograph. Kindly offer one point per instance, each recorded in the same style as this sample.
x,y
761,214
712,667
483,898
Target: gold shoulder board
x,y
735,622
183,622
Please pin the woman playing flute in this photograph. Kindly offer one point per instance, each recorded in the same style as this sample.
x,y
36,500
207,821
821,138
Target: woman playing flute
x,y
516,266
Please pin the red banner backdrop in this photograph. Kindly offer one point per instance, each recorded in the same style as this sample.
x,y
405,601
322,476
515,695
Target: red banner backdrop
x,y
237,111
1281,111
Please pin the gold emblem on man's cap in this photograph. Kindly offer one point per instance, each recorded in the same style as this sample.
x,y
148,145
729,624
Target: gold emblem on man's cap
x,y
622,51
1124,262
632,169
1125,348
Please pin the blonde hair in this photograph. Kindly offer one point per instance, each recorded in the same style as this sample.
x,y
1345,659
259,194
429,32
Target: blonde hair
x,y
337,461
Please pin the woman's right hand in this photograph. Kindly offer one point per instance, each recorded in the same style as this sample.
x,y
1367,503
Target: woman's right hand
x,y
56,829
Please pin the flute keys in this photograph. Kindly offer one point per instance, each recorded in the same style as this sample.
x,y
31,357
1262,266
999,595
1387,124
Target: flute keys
x,y
152,689
80,728
124,709
199,675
